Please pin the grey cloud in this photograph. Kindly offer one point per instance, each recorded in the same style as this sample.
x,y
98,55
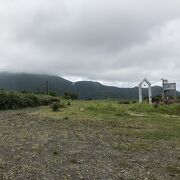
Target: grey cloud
x,y
117,41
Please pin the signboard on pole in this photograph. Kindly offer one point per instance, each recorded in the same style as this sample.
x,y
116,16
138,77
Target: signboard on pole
x,y
169,86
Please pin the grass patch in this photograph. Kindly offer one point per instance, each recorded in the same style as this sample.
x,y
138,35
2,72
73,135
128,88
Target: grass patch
x,y
173,109
173,168
134,146
124,164
88,110
35,147
154,123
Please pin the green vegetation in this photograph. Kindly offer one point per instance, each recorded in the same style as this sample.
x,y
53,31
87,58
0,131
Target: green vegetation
x,y
15,100
70,96
173,109
135,141
106,109
55,106
133,146
134,120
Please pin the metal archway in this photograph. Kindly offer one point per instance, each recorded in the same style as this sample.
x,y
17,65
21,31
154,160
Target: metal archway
x,y
149,90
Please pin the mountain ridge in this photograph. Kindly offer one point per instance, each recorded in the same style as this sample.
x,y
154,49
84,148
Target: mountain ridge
x,y
84,89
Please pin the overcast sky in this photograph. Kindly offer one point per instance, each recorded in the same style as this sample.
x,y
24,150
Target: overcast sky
x,y
117,42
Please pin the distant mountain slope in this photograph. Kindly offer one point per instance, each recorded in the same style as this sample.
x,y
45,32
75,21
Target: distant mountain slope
x,y
34,82
96,90
85,89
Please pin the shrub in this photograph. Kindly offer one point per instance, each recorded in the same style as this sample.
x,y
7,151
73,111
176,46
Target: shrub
x,y
134,102
70,96
62,105
73,96
55,106
14,100
124,102
25,92
156,105
52,93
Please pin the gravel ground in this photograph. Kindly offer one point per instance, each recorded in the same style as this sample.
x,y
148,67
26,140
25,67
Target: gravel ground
x,y
35,147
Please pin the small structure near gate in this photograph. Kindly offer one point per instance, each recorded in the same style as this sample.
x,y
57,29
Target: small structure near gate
x,y
169,90
149,90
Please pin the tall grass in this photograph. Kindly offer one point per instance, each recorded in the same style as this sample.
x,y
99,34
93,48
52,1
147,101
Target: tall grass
x,y
173,109
113,107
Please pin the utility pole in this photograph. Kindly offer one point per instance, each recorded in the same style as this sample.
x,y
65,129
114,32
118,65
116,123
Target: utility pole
x,y
47,87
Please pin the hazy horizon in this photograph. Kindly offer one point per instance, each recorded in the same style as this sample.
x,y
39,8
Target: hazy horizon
x,y
74,80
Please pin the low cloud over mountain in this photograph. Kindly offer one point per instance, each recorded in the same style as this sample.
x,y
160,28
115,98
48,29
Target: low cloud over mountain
x,y
114,41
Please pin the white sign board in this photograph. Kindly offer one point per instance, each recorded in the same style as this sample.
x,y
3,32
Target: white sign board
x,y
169,86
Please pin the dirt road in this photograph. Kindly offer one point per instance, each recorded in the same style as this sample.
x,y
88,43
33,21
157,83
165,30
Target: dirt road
x,y
40,148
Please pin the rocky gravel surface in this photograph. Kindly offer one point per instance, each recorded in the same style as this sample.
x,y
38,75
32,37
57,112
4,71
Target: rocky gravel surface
x,y
40,148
